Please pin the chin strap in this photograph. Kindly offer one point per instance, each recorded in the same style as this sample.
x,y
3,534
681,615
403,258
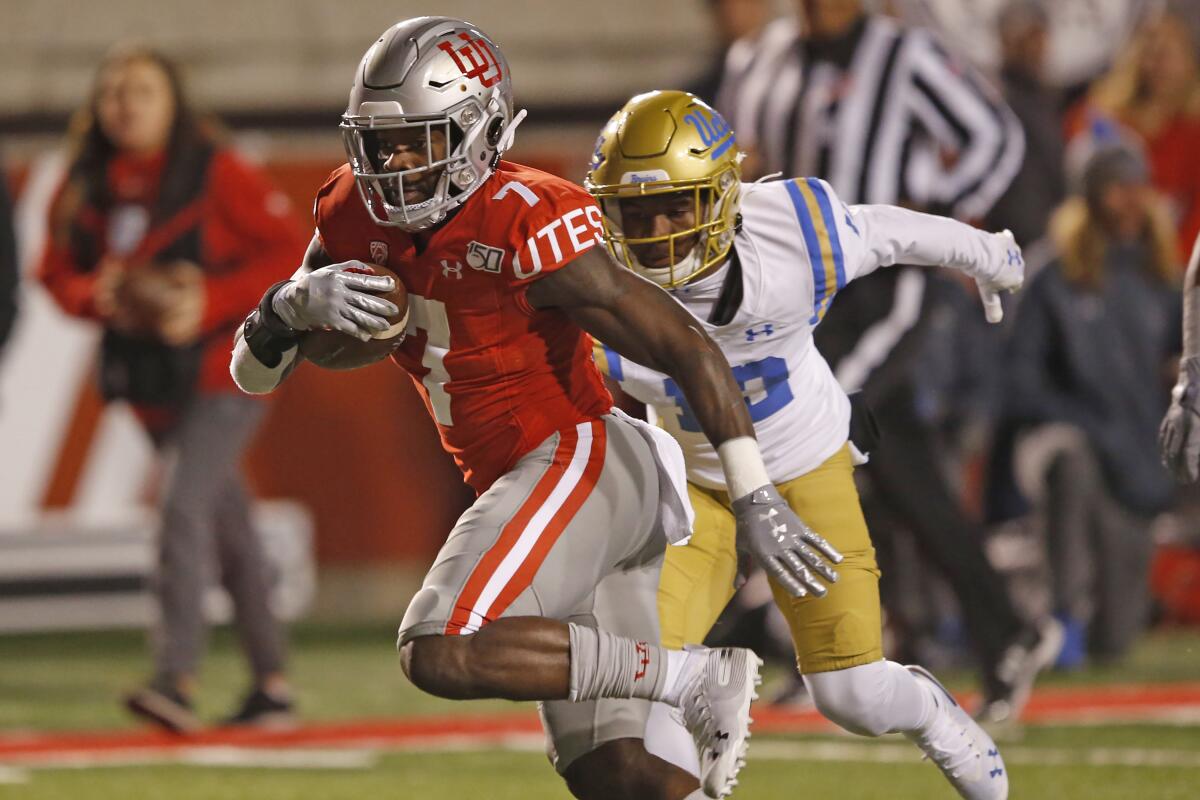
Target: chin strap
x,y
510,132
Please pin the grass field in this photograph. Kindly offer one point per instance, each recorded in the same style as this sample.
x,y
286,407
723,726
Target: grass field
x,y
53,685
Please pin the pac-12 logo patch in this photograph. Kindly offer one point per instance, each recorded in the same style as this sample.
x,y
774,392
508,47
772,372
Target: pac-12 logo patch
x,y
379,252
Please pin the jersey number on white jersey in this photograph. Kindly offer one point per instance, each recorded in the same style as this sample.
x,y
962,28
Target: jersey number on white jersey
x,y
764,384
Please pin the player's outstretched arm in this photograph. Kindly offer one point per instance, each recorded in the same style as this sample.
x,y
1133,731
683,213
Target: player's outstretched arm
x,y
644,324
1179,435
891,235
320,295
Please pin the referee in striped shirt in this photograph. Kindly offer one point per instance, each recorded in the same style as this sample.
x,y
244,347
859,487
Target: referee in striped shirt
x,y
882,112
887,115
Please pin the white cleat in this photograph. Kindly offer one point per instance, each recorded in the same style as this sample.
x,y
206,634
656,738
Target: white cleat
x,y
716,710
962,749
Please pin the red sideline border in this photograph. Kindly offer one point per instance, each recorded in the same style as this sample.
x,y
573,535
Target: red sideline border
x,y
1086,705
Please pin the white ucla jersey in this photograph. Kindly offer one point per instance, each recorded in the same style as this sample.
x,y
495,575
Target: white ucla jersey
x,y
798,245
793,260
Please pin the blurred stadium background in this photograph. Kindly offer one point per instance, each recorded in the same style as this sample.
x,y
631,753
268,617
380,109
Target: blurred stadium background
x,y
352,524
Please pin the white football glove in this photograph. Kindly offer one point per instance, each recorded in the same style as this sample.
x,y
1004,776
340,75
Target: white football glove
x,y
1006,273
333,298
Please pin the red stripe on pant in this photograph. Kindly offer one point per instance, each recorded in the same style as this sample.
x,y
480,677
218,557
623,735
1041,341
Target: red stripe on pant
x,y
523,576
575,500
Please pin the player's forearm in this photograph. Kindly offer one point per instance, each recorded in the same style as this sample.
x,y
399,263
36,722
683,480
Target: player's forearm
x,y
265,350
719,406
1191,305
253,376
704,377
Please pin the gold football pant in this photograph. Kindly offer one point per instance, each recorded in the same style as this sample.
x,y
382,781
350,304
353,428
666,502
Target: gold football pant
x,y
840,630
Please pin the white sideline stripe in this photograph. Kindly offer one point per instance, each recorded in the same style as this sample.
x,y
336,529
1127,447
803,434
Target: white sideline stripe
x,y
1031,756
472,742
367,754
520,551
12,775
215,756
1159,715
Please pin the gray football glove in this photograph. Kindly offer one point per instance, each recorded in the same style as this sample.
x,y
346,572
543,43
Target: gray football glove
x,y
1179,436
769,532
333,298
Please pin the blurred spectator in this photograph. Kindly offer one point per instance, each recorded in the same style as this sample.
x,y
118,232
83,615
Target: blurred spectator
x,y
737,24
165,237
887,115
1040,184
1154,89
9,268
1087,384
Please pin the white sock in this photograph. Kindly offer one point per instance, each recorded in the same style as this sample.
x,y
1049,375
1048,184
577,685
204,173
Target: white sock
x,y
669,740
873,699
682,666
606,665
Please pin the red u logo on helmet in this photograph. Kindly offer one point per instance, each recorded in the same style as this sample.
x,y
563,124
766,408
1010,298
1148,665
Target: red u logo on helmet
x,y
475,60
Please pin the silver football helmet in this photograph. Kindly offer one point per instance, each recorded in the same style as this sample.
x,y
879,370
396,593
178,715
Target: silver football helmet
x,y
439,74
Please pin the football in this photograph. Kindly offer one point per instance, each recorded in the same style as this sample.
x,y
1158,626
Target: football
x,y
336,350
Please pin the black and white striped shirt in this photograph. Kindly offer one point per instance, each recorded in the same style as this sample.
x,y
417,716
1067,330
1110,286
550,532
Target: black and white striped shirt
x,y
901,122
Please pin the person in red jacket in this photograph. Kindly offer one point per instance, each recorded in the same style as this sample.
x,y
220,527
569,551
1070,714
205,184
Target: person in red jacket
x,y
1154,90
163,235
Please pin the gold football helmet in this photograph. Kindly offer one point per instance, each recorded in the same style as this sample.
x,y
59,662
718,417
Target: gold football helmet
x,y
668,143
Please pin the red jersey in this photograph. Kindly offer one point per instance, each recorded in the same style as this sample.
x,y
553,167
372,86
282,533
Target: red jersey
x,y
497,375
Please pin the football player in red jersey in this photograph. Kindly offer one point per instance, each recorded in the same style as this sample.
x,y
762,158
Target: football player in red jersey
x,y
545,589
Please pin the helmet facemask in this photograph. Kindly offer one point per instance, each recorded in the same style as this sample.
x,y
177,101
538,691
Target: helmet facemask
x,y
714,203
457,175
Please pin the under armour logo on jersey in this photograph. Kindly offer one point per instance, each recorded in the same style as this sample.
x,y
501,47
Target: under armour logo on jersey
x,y
765,330
1014,257
379,251
454,269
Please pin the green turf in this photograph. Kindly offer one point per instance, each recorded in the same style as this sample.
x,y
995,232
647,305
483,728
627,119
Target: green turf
x,y
72,681
526,776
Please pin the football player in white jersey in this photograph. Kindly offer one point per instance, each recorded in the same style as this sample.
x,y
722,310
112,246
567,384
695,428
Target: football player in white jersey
x,y
757,265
